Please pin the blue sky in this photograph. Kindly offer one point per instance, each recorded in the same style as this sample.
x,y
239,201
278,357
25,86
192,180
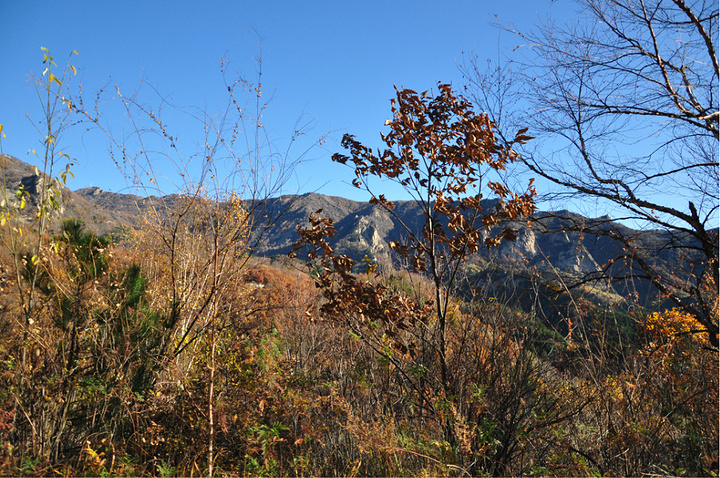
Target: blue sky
x,y
332,64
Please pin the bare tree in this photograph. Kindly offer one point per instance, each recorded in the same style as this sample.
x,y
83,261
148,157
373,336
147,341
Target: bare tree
x,y
198,241
624,107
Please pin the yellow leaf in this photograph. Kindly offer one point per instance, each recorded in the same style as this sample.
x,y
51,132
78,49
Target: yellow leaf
x,y
44,49
74,70
22,203
1,128
75,51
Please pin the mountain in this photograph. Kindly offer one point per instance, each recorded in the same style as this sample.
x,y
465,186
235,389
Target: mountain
x,y
18,176
550,249
548,252
364,229
101,211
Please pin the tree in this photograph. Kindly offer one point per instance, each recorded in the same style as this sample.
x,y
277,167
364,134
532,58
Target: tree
x,y
447,158
25,239
440,151
625,108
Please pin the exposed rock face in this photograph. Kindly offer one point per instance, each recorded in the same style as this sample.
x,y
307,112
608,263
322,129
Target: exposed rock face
x,y
92,191
366,232
570,254
522,249
566,252
363,229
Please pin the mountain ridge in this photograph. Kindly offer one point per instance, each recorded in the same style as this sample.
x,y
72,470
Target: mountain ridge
x,y
364,230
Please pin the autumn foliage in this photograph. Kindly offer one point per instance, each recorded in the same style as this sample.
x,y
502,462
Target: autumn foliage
x,y
306,386
176,351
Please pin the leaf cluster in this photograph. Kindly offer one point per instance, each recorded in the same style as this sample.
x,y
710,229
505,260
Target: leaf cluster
x,y
440,151
365,303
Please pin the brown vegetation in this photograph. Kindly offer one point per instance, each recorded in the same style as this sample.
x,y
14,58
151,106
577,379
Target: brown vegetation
x,y
178,352
121,390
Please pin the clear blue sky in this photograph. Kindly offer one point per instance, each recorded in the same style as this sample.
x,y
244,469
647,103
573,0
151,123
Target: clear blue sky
x,y
333,63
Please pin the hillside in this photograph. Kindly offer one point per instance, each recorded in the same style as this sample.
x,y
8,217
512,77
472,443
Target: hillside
x,y
126,351
549,249
18,174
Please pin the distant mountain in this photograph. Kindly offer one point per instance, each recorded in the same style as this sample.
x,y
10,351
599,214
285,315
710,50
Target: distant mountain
x,y
549,249
535,272
364,229
102,211
22,176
